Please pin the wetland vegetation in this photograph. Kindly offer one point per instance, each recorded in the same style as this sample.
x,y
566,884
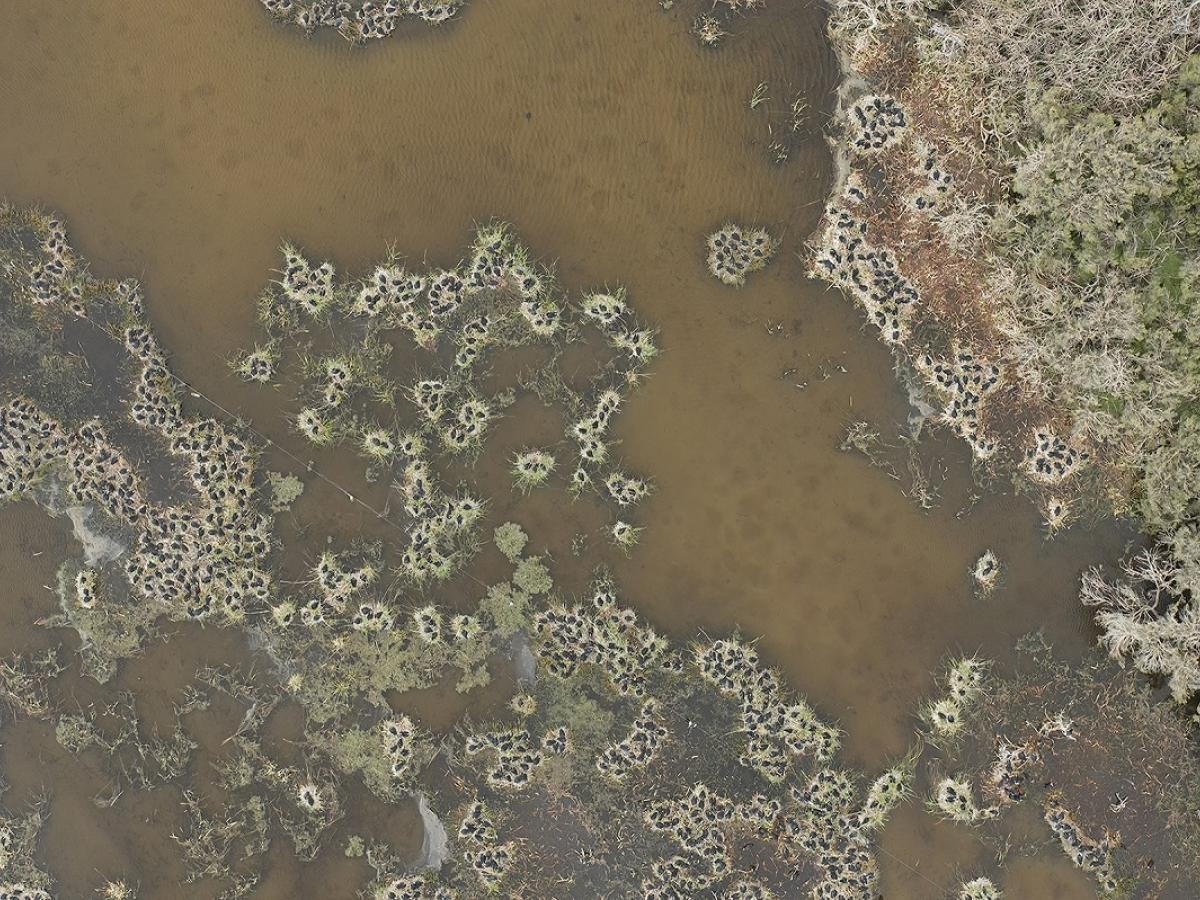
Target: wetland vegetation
x,y
386,594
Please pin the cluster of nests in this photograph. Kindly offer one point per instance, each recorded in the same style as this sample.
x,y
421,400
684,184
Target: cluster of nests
x,y
965,381
1094,857
886,791
589,432
487,857
415,887
19,891
156,397
31,443
55,279
626,490
1008,779
871,274
441,523
825,819
212,552
747,890
102,475
497,298
696,822
876,122
954,799
1051,459
734,251
1008,772
87,588
400,744
821,816
637,749
843,257
777,729
979,889
612,315
433,303
938,180
200,556
361,21
339,581
833,827
440,527
517,757
458,417
610,638
963,684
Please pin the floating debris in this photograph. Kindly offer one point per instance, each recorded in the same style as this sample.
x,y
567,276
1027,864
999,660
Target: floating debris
x,y
510,539
707,29
710,27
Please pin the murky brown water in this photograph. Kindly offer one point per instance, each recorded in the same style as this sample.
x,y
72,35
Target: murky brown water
x,y
182,141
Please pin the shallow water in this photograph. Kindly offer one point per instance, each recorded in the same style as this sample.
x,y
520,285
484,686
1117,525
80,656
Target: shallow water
x,y
182,141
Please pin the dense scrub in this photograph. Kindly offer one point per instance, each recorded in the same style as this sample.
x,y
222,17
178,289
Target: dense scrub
x,y
1036,196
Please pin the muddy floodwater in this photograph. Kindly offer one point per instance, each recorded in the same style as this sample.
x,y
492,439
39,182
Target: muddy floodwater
x,y
182,141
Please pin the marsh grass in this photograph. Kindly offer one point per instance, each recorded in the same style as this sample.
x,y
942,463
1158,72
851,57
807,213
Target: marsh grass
x,y
622,753
1098,749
